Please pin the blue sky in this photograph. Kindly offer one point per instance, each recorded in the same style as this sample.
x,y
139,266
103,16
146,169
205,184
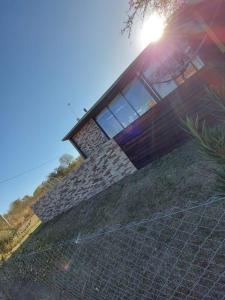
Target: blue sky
x,y
53,52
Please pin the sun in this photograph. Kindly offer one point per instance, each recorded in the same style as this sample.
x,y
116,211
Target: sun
x,y
152,29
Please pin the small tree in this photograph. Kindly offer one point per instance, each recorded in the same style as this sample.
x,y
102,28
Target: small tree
x,y
138,9
65,160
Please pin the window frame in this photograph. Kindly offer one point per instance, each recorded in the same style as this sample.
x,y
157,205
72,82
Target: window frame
x,y
99,125
119,96
142,75
151,90
138,77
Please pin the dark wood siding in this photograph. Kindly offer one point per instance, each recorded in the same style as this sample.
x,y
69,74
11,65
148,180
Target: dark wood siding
x,y
160,130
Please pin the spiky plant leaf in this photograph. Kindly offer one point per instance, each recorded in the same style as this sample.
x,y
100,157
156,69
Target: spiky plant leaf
x,y
211,140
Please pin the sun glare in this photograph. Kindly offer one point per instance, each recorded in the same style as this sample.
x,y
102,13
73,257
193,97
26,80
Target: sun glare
x,y
152,29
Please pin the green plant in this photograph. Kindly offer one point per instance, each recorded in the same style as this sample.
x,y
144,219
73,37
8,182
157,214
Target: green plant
x,y
211,139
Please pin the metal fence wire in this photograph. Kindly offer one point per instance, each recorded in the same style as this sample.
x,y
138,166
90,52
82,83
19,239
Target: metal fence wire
x,y
177,255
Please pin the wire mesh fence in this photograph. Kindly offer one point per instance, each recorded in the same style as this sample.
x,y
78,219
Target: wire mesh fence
x,y
177,255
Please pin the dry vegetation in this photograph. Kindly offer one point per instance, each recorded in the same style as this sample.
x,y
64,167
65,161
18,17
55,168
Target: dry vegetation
x,y
181,179
20,216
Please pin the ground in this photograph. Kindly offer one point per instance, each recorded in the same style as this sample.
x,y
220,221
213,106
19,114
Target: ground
x,y
13,238
174,180
171,251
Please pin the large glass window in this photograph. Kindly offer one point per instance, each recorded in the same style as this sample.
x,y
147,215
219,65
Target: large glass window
x,y
135,100
159,82
138,96
195,61
109,123
164,88
194,65
123,111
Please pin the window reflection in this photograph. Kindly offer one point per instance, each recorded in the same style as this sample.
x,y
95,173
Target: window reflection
x,y
123,111
136,99
109,123
162,88
198,63
194,65
165,88
138,96
161,83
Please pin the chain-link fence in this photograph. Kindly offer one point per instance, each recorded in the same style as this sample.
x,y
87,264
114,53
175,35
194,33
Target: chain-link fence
x,y
177,255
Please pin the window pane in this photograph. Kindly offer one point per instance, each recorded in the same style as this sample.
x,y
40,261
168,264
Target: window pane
x,y
163,89
123,111
109,123
194,65
190,71
139,97
198,63
180,80
152,73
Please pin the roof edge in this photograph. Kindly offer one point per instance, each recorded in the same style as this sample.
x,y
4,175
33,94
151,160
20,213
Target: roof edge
x,y
90,112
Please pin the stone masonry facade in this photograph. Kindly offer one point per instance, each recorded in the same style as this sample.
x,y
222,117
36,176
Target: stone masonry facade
x,y
90,138
104,166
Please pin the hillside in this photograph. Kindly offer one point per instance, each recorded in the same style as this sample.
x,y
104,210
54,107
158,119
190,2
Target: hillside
x,y
178,179
20,220
169,243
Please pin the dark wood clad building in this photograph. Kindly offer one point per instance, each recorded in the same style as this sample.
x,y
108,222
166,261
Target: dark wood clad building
x,y
143,110
140,117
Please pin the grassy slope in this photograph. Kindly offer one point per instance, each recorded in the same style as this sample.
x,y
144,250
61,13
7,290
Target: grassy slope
x,y
14,239
175,180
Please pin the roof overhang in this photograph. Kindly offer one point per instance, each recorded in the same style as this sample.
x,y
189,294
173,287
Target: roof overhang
x,y
148,55
128,75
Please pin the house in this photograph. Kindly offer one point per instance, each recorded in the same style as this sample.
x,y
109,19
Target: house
x,y
139,118
143,117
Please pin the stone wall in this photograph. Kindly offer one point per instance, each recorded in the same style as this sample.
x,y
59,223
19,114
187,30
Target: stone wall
x,y
90,138
106,166
2,297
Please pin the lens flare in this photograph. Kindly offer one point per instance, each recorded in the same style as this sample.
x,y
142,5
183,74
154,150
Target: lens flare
x,y
152,29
